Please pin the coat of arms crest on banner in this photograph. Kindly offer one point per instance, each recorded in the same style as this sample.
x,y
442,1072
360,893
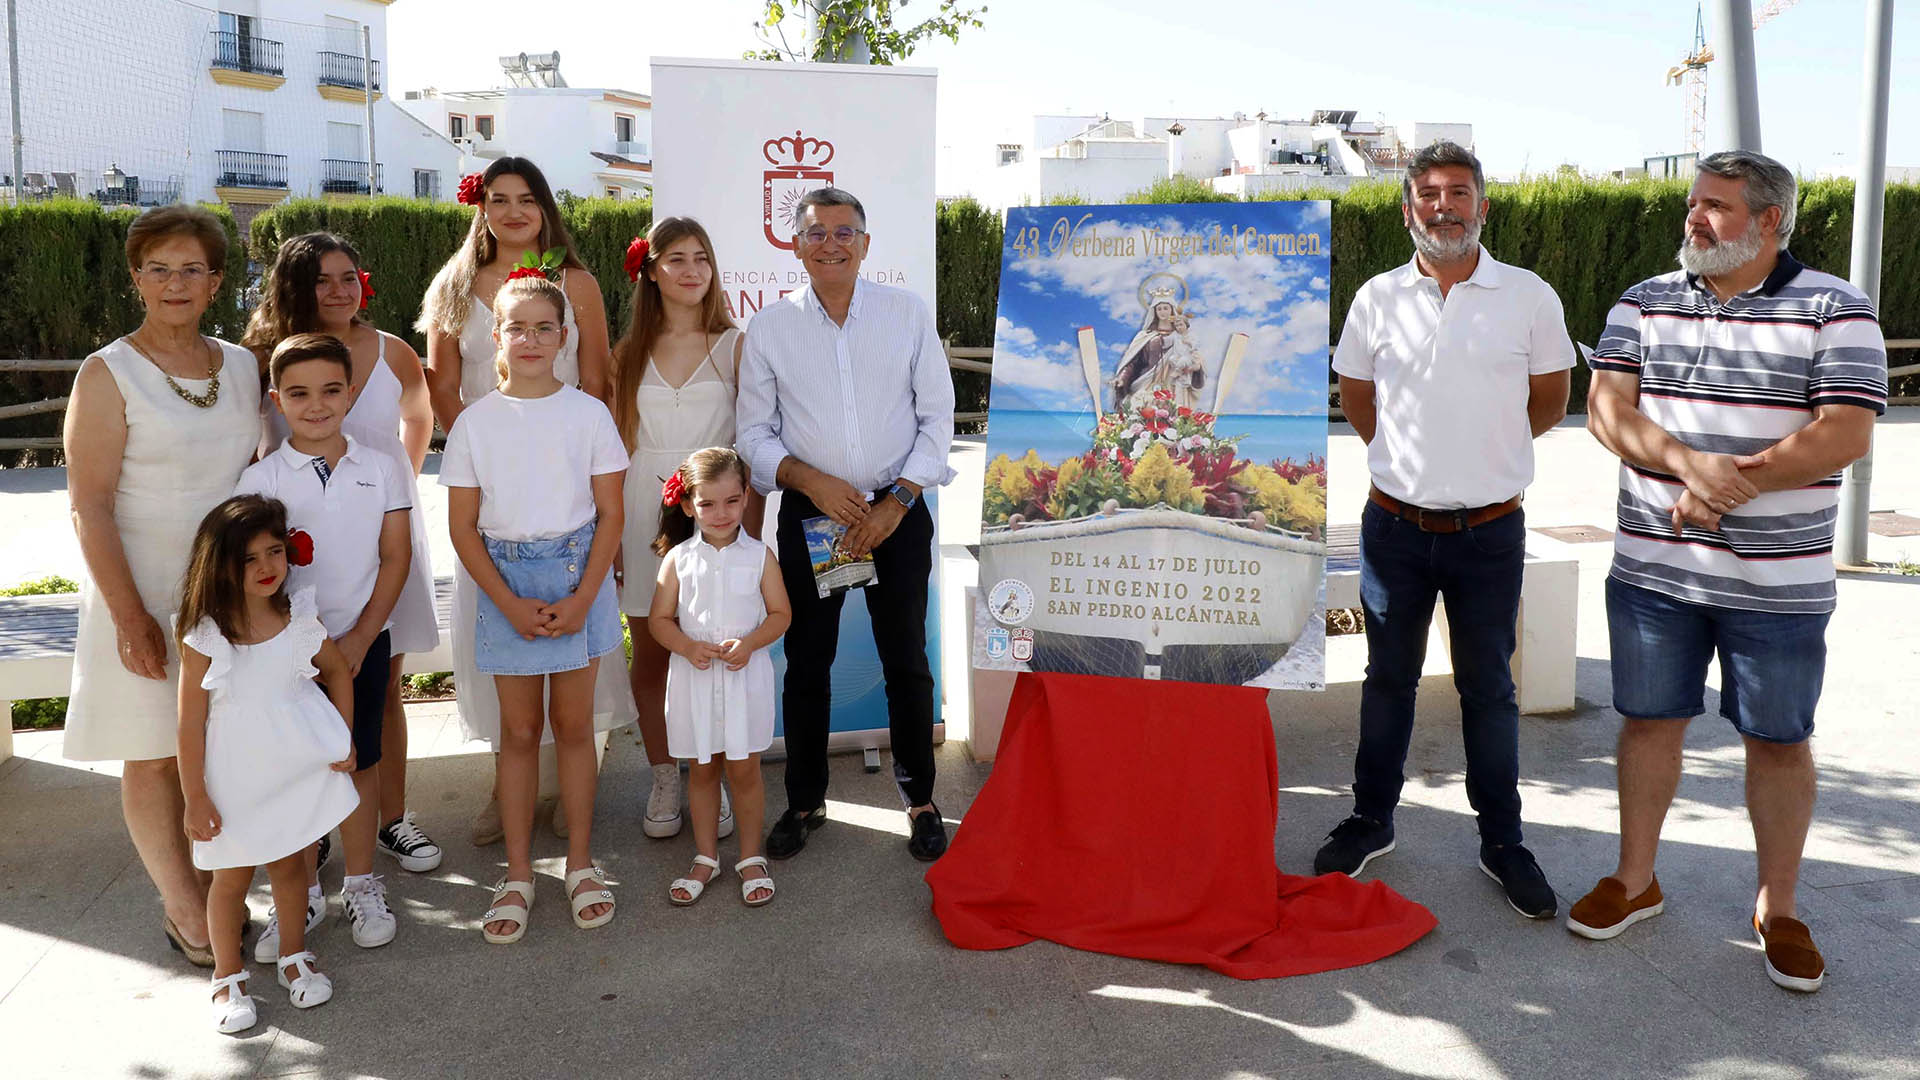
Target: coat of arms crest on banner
x,y
799,166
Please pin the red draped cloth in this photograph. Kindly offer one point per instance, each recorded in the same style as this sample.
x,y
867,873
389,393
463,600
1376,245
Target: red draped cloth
x,y
1137,818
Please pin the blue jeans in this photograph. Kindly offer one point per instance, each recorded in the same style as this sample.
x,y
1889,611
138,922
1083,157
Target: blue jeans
x,y
1772,665
1402,571
545,570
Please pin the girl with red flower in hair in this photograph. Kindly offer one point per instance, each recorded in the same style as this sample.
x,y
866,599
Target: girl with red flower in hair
x,y
265,753
317,285
516,224
675,375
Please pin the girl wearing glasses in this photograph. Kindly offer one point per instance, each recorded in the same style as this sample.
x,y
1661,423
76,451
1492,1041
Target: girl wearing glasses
x,y
158,428
533,473
515,217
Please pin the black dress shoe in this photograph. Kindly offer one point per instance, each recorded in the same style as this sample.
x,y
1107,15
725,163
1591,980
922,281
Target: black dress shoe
x,y
789,834
1520,878
929,839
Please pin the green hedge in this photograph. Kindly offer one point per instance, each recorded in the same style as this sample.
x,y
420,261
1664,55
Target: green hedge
x,y
68,293
1589,239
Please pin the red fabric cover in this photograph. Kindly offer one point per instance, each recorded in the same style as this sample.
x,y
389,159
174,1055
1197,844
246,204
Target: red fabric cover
x,y
1137,818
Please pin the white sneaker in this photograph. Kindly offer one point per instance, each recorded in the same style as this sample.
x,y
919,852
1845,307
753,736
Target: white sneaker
x,y
366,907
663,805
726,813
266,948
409,844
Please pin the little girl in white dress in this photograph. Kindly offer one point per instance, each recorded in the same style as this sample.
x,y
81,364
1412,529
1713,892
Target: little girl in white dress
x,y
266,755
718,602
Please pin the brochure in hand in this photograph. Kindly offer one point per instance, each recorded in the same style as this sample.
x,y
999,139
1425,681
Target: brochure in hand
x,y
833,568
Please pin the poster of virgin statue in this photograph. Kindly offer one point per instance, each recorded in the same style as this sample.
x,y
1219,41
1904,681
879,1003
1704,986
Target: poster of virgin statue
x,y
1155,495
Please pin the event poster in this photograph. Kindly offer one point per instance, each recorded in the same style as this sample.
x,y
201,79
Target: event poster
x,y
1156,497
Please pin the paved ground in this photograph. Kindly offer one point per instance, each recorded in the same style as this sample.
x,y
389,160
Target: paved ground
x,y
847,974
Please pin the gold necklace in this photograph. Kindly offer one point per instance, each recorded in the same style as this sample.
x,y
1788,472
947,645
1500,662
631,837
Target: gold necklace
x,y
198,401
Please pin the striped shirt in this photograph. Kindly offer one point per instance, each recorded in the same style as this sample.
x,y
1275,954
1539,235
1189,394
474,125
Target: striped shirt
x,y
870,402
1736,378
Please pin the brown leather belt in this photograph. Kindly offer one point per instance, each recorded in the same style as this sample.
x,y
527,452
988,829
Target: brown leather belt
x,y
1441,521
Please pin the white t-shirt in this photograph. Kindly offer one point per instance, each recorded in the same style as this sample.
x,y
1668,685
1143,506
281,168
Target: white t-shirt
x,y
343,513
533,460
1450,379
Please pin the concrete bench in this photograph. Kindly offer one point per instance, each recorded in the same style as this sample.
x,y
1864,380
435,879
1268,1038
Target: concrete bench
x,y
37,635
1543,664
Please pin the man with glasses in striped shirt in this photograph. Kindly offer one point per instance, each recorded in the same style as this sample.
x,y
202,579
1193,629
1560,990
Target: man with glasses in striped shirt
x,y
1733,391
846,405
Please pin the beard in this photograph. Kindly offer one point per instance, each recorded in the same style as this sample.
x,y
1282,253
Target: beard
x,y
1442,249
1723,257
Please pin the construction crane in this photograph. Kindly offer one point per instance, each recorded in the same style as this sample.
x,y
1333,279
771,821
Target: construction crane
x,y
1691,73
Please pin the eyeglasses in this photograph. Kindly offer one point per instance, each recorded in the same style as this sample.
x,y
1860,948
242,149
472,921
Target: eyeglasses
x,y
156,274
842,235
544,334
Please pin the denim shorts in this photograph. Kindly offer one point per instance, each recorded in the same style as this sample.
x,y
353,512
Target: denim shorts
x,y
1771,664
545,570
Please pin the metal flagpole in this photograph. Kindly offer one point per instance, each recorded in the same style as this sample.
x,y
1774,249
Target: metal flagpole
x,y
13,72
1737,125
367,77
1869,198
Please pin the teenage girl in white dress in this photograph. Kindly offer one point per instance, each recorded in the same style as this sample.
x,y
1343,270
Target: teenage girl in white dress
x,y
515,215
316,285
675,375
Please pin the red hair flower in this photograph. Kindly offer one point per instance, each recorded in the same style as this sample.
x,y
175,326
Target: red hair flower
x,y
366,290
673,490
527,271
636,257
299,548
473,190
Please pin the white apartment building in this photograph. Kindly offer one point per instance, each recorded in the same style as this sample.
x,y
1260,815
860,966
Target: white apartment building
x,y
1103,160
591,141
243,101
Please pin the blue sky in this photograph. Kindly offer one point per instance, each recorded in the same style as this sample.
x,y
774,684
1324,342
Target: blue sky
x,y
1542,83
1279,301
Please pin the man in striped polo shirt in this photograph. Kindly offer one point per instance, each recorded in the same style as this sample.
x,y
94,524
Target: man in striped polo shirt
x,y
1734,391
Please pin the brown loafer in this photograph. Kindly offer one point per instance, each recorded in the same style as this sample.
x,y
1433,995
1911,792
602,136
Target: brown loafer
x,y
1606,911
1792,960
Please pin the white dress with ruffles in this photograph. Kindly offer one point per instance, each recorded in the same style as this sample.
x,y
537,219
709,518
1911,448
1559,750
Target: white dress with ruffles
x,y
719,712
272,734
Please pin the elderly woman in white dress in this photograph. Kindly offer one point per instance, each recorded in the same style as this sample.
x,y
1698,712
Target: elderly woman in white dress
x,y
159,426
515,217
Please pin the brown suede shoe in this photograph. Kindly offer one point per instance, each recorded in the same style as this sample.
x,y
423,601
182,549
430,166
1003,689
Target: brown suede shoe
x,y
1792,960
1606,911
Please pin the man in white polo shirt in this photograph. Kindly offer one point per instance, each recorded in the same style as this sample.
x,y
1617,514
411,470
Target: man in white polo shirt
x,y
352,502
1449,367
1734,390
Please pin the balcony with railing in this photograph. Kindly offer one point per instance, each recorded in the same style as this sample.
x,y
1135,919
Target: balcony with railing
x,y
340,176
343,77
245,55
631,149
246,169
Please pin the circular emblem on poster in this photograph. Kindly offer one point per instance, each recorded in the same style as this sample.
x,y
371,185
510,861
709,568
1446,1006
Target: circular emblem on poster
x,y
1010,601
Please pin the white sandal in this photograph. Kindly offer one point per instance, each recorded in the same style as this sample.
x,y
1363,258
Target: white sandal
x,y
512,900
237,1013
590,897
693,887
310,987
749,886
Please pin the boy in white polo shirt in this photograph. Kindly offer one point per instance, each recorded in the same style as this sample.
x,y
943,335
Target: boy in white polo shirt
x,y
352,504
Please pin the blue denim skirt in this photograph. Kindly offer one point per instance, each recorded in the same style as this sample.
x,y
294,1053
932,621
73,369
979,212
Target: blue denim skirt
x,y
545,570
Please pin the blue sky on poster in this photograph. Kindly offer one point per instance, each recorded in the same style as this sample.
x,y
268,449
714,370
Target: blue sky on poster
x,y
1543,84
1279,301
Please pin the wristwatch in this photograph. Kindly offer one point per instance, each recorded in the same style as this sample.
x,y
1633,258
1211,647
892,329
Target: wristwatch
x,y
903,496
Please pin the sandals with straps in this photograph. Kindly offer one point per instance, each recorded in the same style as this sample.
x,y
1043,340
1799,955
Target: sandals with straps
x,y
511,902
693,887
590,897
310,987
237,1013
749,886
